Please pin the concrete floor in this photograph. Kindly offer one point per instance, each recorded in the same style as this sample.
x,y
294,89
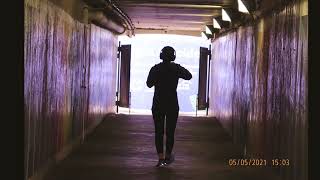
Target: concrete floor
x,y
122,147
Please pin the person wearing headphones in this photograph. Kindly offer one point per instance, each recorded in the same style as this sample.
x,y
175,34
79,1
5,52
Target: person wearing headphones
x,y
165,107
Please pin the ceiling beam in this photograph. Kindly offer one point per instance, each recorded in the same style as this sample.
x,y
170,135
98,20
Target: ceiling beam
x,y
171,27
167,21
157,17
162,31
154,10
173,14
195,6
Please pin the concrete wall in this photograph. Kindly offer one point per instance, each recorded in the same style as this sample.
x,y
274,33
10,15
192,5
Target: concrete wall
x,y
258,91
69,80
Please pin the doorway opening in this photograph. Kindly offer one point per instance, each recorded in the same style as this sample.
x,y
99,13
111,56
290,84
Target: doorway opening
x,y
145,50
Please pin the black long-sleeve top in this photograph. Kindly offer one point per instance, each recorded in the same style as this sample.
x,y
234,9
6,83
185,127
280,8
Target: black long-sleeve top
x,y
165,76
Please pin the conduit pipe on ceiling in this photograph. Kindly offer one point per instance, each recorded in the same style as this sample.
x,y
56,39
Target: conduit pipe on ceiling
x,y
99,18
122,14
110,6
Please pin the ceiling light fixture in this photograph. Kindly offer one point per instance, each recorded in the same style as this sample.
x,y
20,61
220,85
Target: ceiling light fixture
x,y
225,16
208,31
203,35
242,7
216,24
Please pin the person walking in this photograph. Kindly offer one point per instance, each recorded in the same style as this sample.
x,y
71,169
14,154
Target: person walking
x,y
165,107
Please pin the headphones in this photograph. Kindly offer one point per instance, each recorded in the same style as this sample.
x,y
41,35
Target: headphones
x,y
168,52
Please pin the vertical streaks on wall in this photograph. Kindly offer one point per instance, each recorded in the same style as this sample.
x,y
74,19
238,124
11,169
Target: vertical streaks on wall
x,y
56,81
267,95
243,83
102,88
222,78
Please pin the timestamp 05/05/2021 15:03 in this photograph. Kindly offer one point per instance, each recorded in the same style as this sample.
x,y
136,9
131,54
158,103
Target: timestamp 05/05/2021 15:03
x,y
259,162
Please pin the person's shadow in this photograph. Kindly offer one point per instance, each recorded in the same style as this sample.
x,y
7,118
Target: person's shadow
x,y
165,173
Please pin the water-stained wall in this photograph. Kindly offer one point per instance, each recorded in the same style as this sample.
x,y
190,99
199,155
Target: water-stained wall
x,y
103,55
69,75
259,88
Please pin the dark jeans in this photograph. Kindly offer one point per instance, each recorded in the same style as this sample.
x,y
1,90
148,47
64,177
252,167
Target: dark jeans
x,y
159,118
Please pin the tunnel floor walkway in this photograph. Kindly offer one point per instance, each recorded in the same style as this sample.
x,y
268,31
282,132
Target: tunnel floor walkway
x,y
122,148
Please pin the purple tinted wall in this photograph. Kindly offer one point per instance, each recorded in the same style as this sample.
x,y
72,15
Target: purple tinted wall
x,y
69,80
103,56
259,88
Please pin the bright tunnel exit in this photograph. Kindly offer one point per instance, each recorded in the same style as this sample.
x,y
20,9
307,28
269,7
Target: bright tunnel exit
x,y
145,51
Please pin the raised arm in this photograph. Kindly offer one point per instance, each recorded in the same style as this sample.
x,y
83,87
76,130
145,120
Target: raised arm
x,y
184,73
151,77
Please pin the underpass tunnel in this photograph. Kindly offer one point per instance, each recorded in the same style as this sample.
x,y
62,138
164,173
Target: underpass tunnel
x,y
252,86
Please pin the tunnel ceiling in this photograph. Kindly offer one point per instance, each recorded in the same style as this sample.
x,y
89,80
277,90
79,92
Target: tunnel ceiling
x,y
187,17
